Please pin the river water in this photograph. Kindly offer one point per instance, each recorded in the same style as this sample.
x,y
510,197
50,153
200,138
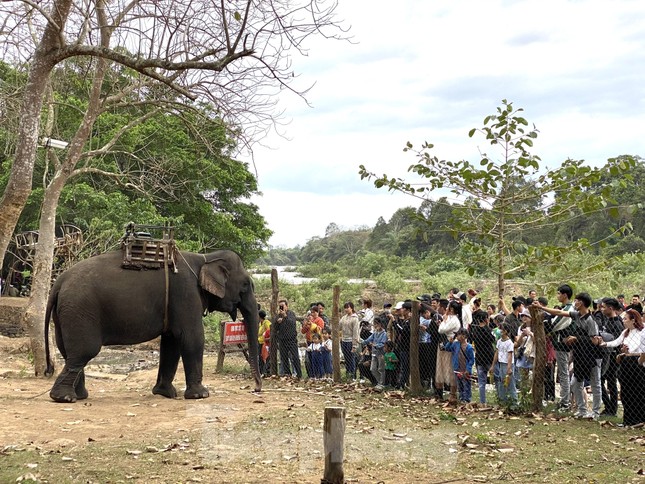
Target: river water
x,y
294,278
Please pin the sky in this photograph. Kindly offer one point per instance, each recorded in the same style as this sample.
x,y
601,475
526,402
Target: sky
x,y
418,70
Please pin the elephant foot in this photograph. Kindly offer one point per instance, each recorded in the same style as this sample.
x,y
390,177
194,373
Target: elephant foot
x,y
196,391
64,389
258,382
168,391
62,397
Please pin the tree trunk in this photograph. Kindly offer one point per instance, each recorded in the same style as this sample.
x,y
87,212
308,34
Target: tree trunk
x,y
42,274
44,258
19,186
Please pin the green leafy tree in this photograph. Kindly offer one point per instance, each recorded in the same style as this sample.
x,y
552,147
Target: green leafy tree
x,y
506,198
224,53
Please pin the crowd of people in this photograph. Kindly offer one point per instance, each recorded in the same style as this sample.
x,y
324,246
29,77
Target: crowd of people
x,y
595,349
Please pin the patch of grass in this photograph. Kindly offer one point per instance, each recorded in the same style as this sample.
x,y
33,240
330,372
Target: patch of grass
x,y
546,450
447,417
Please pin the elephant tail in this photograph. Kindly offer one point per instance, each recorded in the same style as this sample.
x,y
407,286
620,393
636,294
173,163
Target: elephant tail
x,y
51,302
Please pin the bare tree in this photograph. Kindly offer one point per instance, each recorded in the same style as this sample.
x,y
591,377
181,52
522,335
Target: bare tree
x,y
225,54
235,55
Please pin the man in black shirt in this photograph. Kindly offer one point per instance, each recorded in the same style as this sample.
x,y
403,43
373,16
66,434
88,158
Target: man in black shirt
x,y
402,344
636,304
611,328
513,319
561,330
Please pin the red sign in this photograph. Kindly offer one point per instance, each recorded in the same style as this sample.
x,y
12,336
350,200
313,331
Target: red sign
x,y
234,333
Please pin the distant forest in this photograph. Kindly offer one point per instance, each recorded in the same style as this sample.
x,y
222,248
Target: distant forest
x,y
424,240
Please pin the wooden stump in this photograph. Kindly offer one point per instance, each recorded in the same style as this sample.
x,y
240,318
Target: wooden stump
x,y
334,445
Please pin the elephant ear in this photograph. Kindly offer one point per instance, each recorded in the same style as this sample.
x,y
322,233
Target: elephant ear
x,y
213,277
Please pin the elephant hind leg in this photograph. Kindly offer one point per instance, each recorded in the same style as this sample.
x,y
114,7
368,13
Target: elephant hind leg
x,y
64,389
168,361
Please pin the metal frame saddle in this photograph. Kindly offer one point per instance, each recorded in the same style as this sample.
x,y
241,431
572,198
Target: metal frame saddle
x,y
142,251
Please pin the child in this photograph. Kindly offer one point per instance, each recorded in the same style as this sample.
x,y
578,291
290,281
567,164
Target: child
x,y
266,353
263,343
504,361
316,356
390,364
326,353
463,359
365,364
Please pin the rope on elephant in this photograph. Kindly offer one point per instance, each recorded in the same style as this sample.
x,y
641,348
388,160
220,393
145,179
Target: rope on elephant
x,y
38,395
165,269
188,265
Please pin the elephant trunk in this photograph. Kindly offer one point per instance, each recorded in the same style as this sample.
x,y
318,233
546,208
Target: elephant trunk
x,y
249,309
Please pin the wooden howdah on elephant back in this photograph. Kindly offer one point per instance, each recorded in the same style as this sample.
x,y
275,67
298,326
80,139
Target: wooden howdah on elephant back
x,y
149,247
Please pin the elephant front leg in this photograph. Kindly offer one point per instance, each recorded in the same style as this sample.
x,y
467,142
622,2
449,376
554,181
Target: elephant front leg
x,y
169,352
67,384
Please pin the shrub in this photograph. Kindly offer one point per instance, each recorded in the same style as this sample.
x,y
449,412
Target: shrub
x,y
391,282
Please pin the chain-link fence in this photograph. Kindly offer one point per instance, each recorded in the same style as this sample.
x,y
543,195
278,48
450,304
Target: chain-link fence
x,y
580,357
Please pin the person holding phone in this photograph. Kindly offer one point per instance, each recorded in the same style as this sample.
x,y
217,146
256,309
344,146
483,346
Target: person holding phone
x,y
286,336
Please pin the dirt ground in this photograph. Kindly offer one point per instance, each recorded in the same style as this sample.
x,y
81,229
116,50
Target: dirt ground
x,y
123,433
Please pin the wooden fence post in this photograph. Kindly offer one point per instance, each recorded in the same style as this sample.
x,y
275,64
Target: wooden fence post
x,y
220,353
335,334
334,445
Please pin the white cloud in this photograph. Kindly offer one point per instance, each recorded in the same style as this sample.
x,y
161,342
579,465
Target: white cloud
x,y
430,71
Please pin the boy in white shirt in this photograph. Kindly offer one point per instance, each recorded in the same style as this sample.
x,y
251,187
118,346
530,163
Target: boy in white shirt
x,y
504,360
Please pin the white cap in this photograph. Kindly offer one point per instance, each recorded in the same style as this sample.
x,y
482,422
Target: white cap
x,y
399,305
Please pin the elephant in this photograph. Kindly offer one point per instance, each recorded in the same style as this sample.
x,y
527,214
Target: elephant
x,y
97,302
